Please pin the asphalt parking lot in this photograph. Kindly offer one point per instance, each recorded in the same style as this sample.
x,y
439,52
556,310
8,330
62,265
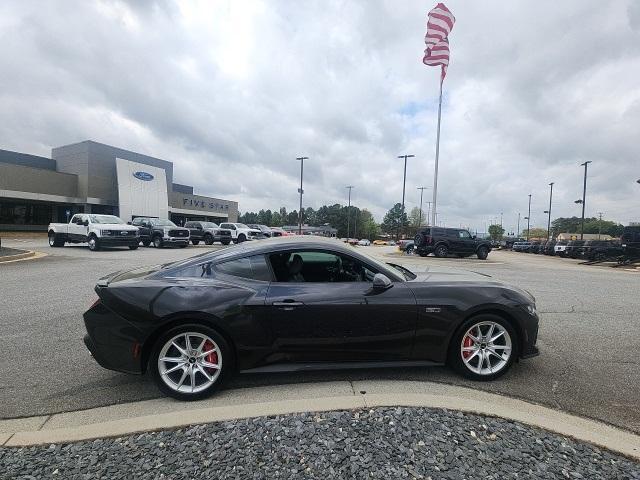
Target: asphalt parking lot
x,y
588,334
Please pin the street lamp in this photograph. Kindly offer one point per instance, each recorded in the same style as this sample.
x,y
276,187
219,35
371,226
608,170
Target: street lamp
x,y
518,234
301,191
584,195
348,210
422,189
404,183
528,218
549,212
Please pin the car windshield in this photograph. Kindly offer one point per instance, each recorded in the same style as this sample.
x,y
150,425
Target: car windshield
x,y
208,225
105,219
241,225
159,222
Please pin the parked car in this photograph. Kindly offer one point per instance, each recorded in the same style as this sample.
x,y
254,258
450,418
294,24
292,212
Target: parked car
x,y
407,246
549,248
630,241
444,241
364,242
533,247
266,231
560,248
208,232
94,229
302,302
279,232
241,232
574,248
593,250
381,242
507,242
522,247
161,232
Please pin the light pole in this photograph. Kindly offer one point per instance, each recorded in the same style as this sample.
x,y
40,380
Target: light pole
x,y
349,187
549,212
600,224
422,189
518,234
301,191
584,195
529,219
404,183
428,213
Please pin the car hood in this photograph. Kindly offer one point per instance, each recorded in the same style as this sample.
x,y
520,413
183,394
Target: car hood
x,y
450,276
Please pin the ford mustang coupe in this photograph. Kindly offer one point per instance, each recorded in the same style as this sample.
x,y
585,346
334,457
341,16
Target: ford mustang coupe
x,y
302,303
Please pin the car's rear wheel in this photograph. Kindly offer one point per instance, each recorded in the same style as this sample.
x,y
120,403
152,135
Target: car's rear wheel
x,y
484,347
208,239
483,253
54,240
133,247
146,243
190,362
226,242
241,238
441,251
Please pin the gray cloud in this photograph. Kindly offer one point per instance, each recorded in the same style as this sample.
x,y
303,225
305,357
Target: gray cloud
x,y
232,92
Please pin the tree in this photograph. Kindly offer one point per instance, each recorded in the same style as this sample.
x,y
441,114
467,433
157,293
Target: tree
x,y
394,220
414,217
496,232
535,233
591,225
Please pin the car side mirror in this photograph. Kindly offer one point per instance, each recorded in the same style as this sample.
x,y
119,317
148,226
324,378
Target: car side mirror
x,y
85,223
381,282
128,223
474,237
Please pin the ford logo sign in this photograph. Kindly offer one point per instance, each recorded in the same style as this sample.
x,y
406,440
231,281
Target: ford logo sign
x,y
147,177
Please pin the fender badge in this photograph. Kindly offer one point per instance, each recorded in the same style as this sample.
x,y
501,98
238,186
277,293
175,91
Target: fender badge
x,y
432,310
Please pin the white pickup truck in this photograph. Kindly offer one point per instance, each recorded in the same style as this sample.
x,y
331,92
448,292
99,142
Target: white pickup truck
x,y
241,233
96,230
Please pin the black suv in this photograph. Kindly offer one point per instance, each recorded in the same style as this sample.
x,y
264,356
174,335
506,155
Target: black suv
x,y
444,241
161,232
208,232
631,241
599,250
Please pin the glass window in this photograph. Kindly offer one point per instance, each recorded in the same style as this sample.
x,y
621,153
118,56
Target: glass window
x,y
464,234
319,266
105,219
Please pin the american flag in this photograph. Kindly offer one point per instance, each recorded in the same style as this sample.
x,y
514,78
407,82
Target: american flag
x,y
439,25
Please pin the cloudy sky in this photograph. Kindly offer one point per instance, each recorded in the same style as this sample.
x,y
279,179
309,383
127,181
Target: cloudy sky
x,y
232,91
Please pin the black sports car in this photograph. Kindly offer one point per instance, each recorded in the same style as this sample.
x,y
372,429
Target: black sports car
x,y
302,303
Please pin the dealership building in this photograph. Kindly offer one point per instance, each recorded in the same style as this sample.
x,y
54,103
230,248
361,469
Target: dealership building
x,y
90,177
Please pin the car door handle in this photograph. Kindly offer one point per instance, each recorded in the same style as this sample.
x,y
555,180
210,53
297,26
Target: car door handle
x,y
287,304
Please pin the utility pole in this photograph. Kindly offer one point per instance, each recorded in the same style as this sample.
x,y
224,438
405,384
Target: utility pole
x,y
584,196
529,219
599,225
428,213
301,191
349,187
422,189
518,234
404,183
549,212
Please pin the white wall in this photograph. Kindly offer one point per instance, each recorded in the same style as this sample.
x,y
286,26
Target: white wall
x,y
141,197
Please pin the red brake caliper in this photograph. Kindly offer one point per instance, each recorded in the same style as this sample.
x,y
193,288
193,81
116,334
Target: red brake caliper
x,y
212,357
467,343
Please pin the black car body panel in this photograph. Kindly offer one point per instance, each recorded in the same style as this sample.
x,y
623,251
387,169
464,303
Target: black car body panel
x,y
457,241
208,232
171,234
268,322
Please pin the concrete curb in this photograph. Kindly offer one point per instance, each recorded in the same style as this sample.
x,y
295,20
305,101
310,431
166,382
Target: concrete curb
x,y
161,414
18,257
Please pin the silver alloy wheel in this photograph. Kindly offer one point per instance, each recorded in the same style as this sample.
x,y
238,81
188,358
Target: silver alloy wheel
x,y
486,348
52,240
93,243
190,362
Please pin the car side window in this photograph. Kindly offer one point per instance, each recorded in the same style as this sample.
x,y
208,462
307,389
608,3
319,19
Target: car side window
x,y
464,234
254,267
319,267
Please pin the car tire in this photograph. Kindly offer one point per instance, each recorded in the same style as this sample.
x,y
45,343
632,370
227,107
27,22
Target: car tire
x,y
208,239
465,363
54,240
133,247
157,241
410,250
441,251
184,246
241,238
94,243
423,254
146,243
419,239
483,253
203,386
226,242
195,242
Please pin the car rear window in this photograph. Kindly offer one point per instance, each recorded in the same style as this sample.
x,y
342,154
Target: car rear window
x,y
254,267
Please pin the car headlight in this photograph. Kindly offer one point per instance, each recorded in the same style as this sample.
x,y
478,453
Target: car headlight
x,y
531,309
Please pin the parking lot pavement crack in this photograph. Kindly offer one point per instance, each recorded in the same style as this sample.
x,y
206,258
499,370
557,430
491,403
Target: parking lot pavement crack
x,y
49,417
572,309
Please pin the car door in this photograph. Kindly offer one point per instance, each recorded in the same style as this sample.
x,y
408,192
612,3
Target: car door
x,y
195,230
77,229
467,243
143,227
337,318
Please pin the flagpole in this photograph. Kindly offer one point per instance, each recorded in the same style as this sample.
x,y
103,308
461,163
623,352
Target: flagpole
x,y
435,175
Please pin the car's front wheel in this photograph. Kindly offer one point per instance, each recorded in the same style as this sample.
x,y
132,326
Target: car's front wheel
x,y
93,242
190,362
241,238
483,253
208,239
441,251
157,241
410,250
484,347
146,243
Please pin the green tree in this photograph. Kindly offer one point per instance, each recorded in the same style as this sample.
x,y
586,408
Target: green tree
x,y
535,233
496,232
395,220
414,217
